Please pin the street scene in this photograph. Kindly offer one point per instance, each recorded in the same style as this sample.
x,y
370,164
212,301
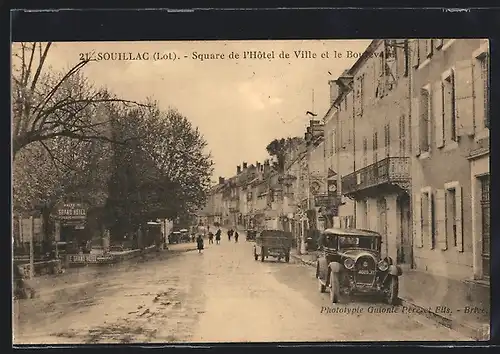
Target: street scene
x,y
223,295
250,191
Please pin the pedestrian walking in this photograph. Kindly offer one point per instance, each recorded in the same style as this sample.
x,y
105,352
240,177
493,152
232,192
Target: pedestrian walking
x,y
210,238
236,235
217,236
199,242
229,234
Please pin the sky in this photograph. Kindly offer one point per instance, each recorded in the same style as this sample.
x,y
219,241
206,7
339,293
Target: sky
x,y
239,104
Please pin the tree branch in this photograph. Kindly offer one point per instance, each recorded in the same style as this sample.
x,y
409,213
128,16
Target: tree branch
x,y
40,65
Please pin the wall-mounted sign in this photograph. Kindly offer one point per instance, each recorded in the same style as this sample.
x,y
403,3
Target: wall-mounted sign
x,y
72,211
332,186
315,187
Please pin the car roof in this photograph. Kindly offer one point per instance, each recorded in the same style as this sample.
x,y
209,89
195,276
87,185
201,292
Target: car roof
x,y
351,232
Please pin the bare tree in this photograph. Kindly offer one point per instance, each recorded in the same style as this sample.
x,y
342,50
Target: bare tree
x,y
48,104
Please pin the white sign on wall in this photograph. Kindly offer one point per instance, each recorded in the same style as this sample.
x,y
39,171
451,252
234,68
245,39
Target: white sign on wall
x,y
26,230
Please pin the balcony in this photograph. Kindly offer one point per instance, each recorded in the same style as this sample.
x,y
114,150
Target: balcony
x,y
389,175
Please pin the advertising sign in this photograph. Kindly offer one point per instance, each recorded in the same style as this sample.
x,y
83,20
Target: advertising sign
x,y
72,212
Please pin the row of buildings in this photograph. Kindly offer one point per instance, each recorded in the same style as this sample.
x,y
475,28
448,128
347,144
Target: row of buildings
x,y
403,150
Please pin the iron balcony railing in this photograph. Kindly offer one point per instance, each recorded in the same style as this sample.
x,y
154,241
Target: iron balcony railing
x,y
388,170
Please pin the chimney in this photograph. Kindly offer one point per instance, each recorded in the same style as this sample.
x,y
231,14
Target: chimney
x,y
221,180
334,90
244,166
238,169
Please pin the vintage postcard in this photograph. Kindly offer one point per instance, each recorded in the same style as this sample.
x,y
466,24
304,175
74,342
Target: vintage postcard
x,y
251,191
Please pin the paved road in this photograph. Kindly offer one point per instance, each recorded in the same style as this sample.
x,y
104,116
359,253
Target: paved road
x,y
219,295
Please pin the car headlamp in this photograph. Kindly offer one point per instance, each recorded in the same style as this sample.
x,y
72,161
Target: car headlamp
x,y
349,263
383,265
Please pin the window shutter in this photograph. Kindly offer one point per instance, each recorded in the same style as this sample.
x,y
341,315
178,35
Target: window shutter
x,y
417,220
458,218
464,97
415,126
430,214
415,59
437,107
441,219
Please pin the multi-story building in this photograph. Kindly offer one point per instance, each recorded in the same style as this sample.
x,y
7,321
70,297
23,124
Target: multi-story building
x,y
367,129
294,191
340,148
213,208
450,167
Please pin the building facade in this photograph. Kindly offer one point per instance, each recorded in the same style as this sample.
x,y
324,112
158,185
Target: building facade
x,y
450,168
372,109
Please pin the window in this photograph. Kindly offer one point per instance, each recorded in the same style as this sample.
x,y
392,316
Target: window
x,y
360,94
485,224
402,135
453,214
375,147
449,107
334,147
341,135
415,53
484,62
425,121
427,215
365,152
387,139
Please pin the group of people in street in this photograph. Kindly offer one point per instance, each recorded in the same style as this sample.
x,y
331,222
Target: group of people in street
x,y
218,234
231,233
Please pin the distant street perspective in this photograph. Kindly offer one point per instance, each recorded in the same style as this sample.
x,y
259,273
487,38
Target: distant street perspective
x,y
224,198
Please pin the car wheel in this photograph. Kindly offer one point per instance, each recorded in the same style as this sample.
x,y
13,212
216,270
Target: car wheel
x,y
262,257
334,288
393,292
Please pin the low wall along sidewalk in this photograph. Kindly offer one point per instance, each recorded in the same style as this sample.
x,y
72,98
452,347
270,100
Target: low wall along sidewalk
x,y
76,260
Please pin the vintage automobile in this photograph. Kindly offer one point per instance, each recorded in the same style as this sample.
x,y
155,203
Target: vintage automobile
x,y
273,243
351,264
251,235
174,237
185,236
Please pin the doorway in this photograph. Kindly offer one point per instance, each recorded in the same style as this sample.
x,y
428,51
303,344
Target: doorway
x,y
382,224
404,255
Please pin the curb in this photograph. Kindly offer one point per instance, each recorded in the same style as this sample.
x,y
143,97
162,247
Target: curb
x,y
309,263
479,333
475,332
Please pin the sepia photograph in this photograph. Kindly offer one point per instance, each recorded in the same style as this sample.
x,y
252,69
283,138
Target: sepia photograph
x,y
246,191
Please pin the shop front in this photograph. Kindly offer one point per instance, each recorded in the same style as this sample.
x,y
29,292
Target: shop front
x,y
72,234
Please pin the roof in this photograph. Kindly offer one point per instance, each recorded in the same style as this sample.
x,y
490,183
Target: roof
x,y
351,232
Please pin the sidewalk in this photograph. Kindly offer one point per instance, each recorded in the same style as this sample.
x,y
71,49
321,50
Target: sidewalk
x,y
467,314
